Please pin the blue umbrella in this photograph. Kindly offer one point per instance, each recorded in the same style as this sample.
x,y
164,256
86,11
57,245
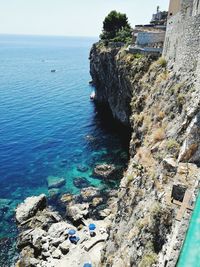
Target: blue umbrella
x,y
92,227
72,232
87,265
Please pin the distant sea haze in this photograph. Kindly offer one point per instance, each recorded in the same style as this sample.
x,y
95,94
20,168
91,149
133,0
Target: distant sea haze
x,y
49,128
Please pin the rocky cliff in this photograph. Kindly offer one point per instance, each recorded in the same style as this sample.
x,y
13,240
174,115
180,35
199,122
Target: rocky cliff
x,y
114,77
162,107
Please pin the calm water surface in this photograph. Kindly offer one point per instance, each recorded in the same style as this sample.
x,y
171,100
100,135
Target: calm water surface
x,y
48,126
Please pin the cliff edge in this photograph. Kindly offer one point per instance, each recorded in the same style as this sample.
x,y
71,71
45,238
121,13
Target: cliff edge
x,y
162,108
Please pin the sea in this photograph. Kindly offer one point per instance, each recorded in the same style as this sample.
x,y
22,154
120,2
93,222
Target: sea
x,y
49,127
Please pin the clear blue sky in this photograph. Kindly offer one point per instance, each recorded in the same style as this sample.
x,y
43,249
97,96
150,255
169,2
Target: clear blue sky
x,y
70,17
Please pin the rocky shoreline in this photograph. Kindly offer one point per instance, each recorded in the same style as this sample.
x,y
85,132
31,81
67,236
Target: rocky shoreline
x,y
144,222
44,238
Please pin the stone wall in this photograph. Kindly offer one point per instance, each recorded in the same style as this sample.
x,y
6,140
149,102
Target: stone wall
x,y
174,7
182,39
150,38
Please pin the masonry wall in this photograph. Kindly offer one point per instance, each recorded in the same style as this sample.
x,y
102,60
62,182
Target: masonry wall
x,y
150,38
182,42
174,7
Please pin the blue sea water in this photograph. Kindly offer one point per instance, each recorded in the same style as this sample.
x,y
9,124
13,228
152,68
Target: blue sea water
x,y
48,125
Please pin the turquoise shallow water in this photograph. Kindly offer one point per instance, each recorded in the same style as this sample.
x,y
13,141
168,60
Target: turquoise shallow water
x,y
48,126
190,254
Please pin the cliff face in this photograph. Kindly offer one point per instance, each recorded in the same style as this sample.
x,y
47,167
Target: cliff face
x,y
114,77
164,116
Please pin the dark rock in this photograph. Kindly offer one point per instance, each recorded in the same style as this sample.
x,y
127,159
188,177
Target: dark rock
x,y
81,182
178,192
82,168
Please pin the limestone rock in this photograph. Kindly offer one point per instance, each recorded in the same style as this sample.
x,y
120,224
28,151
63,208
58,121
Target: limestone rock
x,y
30,207
37,235
190,151
55,182
77,211
89,193
170,164
56,241
58,229
66,198
65,246
105,171
57,254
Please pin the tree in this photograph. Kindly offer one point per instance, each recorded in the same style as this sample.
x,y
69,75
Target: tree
x,y
116,27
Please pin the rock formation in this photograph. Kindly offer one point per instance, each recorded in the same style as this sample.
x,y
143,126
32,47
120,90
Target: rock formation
x,y
162,107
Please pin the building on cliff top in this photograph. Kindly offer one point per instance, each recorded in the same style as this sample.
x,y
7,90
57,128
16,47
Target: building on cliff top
x,y
149,38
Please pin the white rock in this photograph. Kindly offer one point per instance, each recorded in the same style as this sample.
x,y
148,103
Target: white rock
x,y
29,207
58,229
56,254
65,246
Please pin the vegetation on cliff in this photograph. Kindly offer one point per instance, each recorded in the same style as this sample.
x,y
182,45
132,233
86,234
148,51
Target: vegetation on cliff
x,y
116,28
164,121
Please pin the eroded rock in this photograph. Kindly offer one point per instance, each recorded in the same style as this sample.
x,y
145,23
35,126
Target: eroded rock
x,y
30,207
105,171
55,182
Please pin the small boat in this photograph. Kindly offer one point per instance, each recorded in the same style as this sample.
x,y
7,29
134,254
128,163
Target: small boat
x,y
92,96
53,70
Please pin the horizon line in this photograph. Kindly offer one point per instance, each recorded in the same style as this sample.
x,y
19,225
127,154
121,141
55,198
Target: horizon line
x,y
49,35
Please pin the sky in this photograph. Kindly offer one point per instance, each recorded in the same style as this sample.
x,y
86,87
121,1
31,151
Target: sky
x,y
70,17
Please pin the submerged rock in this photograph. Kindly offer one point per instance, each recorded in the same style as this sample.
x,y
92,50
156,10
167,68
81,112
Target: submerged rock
x,y
105,171
82,168
81,182
55,182
30,207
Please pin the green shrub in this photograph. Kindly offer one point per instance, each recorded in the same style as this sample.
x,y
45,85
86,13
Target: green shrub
x,y
162,62
148,259
173,147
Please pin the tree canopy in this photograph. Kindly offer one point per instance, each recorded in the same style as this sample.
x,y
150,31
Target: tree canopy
x,y
116,27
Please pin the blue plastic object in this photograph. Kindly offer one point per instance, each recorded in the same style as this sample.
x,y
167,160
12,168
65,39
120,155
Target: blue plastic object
x,y
87,265
72,232
92,227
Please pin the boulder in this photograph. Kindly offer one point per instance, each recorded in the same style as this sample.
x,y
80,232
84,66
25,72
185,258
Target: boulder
x,y
37,235
170,164
56,241
24,239
65,246
82,168
66,198
55,182
190,150
89,193
105,171
97,201
57,254
29,207
81,182
58,229
104,213
77,212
